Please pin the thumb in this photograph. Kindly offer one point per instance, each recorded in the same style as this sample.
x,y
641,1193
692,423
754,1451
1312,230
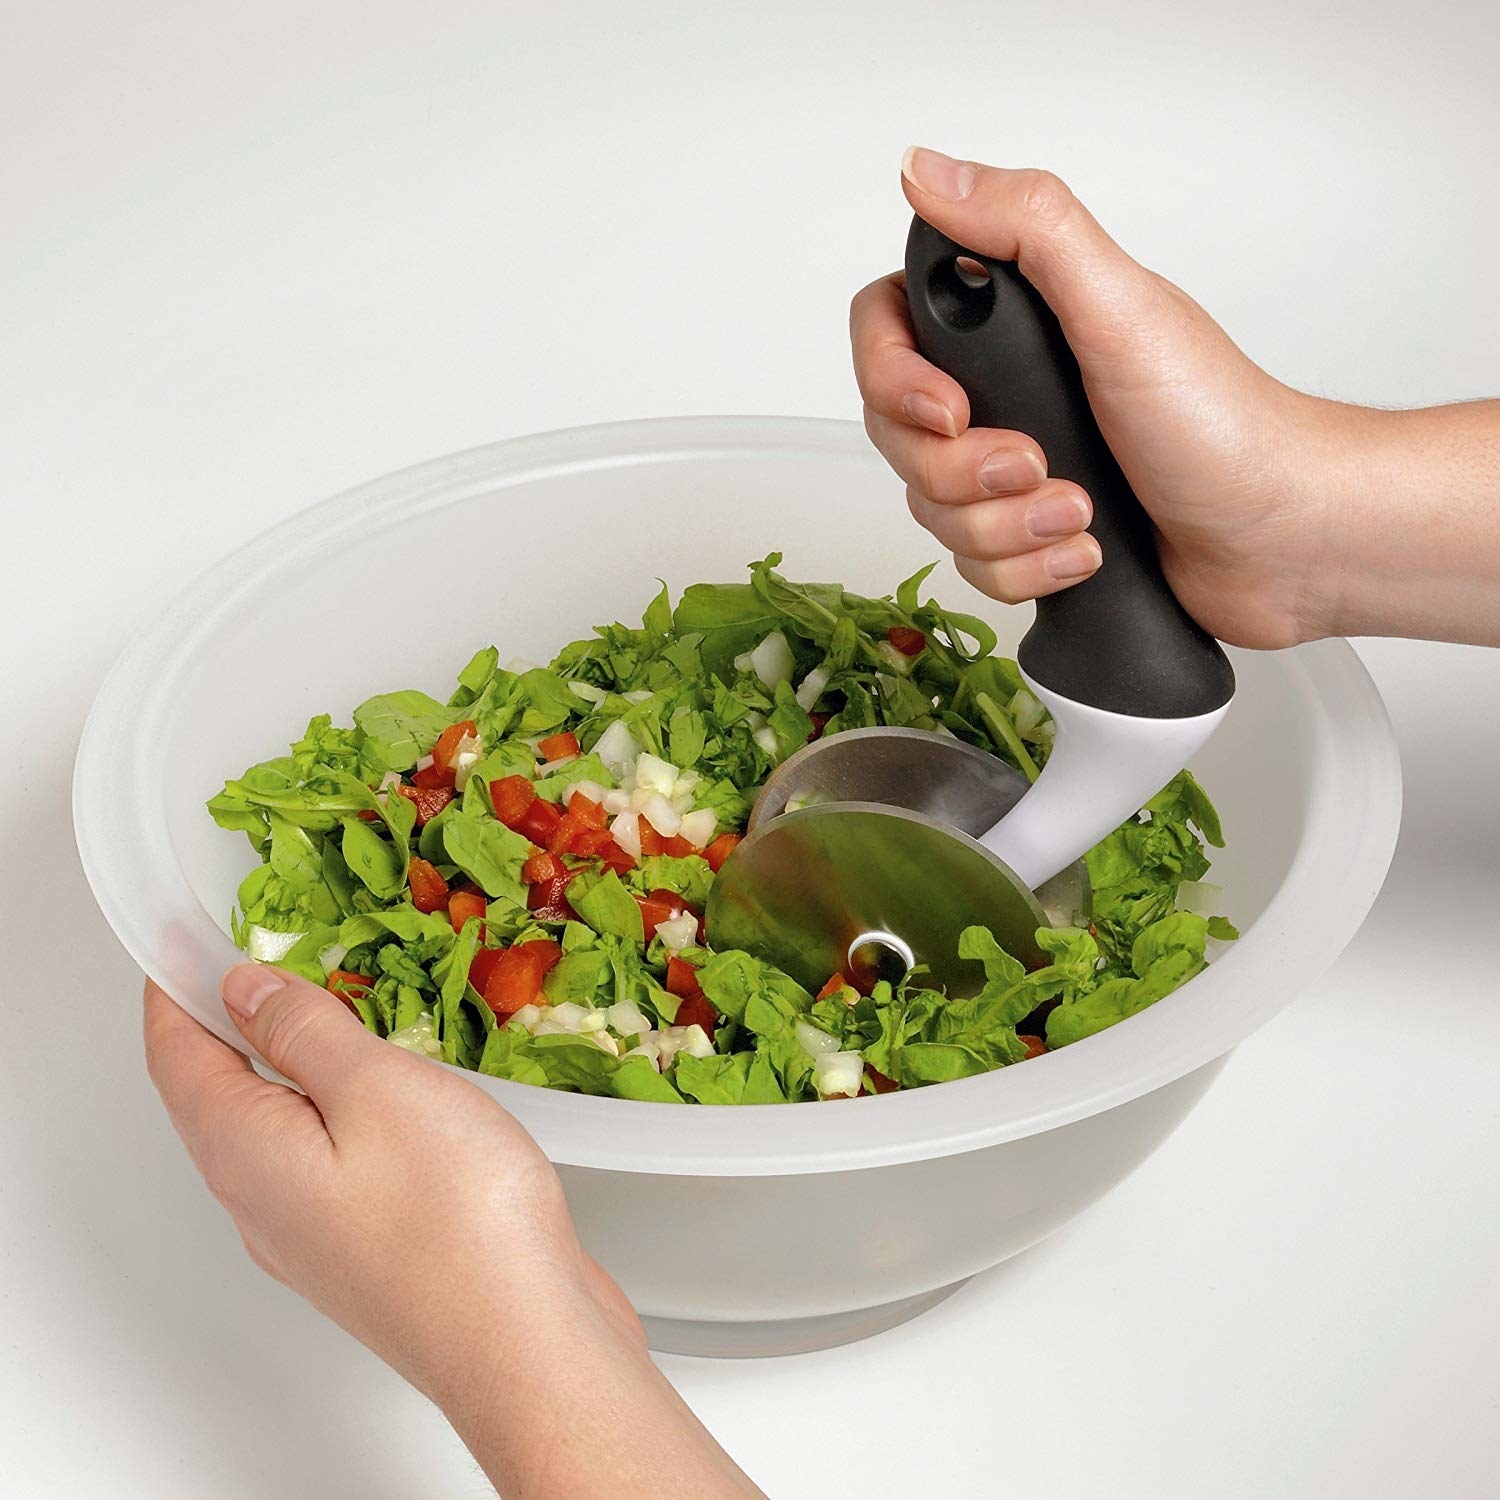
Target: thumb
x,y
1031,217
304,1032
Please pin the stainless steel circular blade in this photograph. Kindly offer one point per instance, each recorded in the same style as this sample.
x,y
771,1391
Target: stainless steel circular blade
x,y
934,774
807,887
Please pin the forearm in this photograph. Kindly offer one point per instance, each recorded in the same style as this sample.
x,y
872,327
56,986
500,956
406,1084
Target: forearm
x,y
1411,533
578,1409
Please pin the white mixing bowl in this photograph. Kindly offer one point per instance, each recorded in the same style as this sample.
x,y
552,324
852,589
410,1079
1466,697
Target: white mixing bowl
x,y
749,1230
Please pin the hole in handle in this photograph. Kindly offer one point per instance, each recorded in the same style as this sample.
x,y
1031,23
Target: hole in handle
x,y
961,292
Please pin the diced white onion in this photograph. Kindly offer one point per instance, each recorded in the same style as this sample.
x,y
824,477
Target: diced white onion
x,y
268,947
519,664
626,1018
549,1027
529,1015
755,719
839,1073
618,748
606,1043
588,692
425,761
590,789
626,830
570,1015
661,815
742,662
898,661
695,1042
638,695
687,780
698,827
655,774
418,1037
390,779
814,1041
332,956
648,1049
552,767
772,660
678,932
765,737
465,758
616,800
1027,711
811,688
1200,896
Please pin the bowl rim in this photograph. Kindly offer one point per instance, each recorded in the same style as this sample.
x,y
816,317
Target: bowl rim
x,y
1354,810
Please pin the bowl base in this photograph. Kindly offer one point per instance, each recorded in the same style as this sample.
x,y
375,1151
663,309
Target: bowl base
x,y
716,1339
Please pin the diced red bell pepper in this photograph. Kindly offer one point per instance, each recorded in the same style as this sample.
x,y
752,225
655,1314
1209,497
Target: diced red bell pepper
x,y
564,837
651,841
465,904
345,983
879,1082
819,724
616,859
542,866
482,965
539,822
697,1010
682,978
369,814
588,812
1035,1046
558,746
448,742
547,900
547,949
836,982
516,979
679,904
429,801
720,850
512,797
654,912
592,842
678,847
429,891
907,639
430,778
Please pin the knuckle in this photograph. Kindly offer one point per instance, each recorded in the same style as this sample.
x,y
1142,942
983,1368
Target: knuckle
x,y
288,1030
1045,197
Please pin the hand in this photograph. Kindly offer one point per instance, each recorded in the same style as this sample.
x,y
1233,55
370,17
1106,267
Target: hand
x,y
1223,457
408,1206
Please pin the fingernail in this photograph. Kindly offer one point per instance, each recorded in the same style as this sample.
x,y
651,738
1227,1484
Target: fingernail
x,y
939,175
1056,515
927,411
248,986
1007,470
1072,560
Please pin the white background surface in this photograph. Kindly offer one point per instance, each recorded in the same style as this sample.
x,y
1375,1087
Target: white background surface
x,y
256,254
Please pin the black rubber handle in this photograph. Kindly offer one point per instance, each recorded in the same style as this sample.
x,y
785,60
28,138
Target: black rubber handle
x,y
1119,640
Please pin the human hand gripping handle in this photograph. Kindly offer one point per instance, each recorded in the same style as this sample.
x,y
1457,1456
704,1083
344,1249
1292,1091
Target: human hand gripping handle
x,y
408,1206
1119,640
1134,683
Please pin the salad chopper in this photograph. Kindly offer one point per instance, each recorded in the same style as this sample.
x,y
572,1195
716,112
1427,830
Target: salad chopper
x,y
870,853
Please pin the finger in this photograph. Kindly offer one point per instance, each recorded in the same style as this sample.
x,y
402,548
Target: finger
x,y
988,530
893,378
307,1035
952,471
1013,580
211,1092
1031,217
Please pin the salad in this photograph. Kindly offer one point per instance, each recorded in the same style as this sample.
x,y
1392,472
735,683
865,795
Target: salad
x,y
512,880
